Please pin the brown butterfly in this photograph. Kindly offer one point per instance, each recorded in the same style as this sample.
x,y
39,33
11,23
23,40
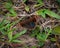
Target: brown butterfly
x,y
29,22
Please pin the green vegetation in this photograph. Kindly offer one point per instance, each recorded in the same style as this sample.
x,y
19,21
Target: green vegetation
x,y
7,29
8,6
43,13
41,36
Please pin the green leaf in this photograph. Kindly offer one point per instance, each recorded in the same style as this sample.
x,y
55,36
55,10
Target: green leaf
x,y
3,32
40,38
2,29
37,5
52,14
3,22
43,36
41,12
41,43
35,31
27,8
12,11
49,31
10,1
40,1
8,6
16,41
24,1
19,34
10,35
56,30
33,47
53,39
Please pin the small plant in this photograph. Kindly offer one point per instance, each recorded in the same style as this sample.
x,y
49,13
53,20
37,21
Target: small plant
x,y
40,2
43,13
9,6
27,8
18,35
6,30
56,30
41,36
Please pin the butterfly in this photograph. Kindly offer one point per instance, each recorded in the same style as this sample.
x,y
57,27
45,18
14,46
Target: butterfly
x,y
29,22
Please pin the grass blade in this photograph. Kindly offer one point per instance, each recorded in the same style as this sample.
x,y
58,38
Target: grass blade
x,y
16,41
52,14
19,34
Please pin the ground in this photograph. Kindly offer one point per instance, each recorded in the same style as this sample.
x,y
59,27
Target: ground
x,y
29,24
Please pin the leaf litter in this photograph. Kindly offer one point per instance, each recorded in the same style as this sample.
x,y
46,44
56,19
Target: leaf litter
x,y
26,11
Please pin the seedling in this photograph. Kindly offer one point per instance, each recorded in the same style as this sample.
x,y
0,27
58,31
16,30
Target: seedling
x,y
6,30
8,6
41,36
